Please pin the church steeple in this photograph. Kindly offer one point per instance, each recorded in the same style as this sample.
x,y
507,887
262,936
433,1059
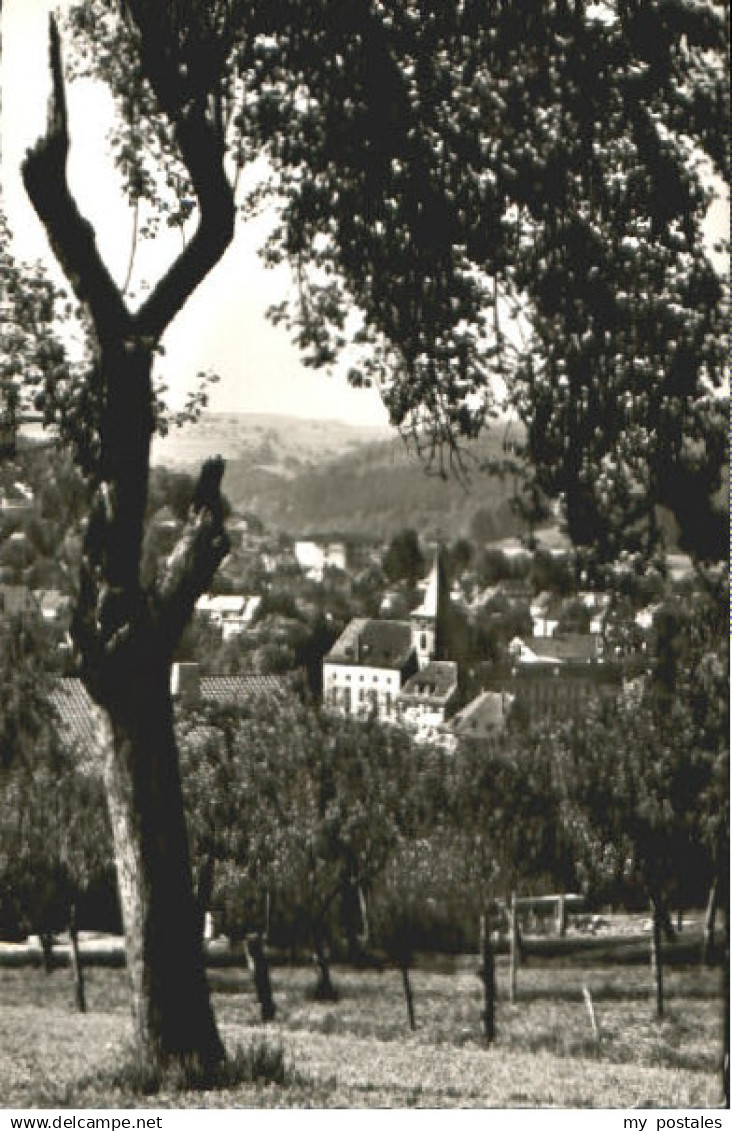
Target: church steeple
x,y
428,621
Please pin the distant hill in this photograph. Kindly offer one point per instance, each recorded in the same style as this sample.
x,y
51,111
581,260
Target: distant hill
x,y
311,477
282,443
375,491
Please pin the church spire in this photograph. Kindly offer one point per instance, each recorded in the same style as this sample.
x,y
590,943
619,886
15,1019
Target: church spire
x,y
428,635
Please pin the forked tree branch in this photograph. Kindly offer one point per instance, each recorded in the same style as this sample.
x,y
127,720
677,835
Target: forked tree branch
x,y
203,155
71,236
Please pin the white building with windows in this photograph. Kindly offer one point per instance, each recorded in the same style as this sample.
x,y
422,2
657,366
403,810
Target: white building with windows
x,y
372,660
364,671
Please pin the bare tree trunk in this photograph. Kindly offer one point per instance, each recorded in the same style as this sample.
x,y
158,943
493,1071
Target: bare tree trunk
x,y
406,983
514,955
262,982
46,941
171,1008
324,989
77,970
726,1012
488,977
657,957
723,889
126,635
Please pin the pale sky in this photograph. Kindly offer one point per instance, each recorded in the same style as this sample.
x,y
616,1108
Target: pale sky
x,y
223,326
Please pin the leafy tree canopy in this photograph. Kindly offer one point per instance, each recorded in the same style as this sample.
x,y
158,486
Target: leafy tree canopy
x,y
473,196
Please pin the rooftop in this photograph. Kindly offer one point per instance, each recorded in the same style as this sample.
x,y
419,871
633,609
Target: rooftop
x,y
435,683
77,711
565,649
235,690
373,643
483,715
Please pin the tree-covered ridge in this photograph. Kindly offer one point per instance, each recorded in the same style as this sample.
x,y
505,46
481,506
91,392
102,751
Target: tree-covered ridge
x,y
376,490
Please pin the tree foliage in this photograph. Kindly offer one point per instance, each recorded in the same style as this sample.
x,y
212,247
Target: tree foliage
x,y
644,782
291,803
404,560
448,167
475,196
54,829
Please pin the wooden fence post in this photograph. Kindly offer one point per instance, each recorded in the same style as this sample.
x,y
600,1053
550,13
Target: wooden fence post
x,y
591,1012
709,920
406,983
561,916
77,972
488,977
657,959
514,951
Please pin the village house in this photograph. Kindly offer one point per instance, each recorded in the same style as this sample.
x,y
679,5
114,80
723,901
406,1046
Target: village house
x,y
55,606
17,499
428,698
314,558
229,613
567,649
545,611
367,666
483,717
556,676
598,606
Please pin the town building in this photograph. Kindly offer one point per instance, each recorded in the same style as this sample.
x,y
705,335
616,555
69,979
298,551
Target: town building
x,y
367,666
556,677
568,649
314,558
372,660
229,613
55,606
545,614
428,698
483,717
78,715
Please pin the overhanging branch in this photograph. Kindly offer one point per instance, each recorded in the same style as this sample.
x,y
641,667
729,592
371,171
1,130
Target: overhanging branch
x,y
202,152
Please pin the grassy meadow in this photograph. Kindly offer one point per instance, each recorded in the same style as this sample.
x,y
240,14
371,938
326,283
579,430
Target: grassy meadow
x,y
359,1052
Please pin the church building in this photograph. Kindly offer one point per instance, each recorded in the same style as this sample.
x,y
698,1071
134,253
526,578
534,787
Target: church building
x,y
371,661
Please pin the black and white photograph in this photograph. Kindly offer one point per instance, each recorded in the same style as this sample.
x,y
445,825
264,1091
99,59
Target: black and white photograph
x,y
364,561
